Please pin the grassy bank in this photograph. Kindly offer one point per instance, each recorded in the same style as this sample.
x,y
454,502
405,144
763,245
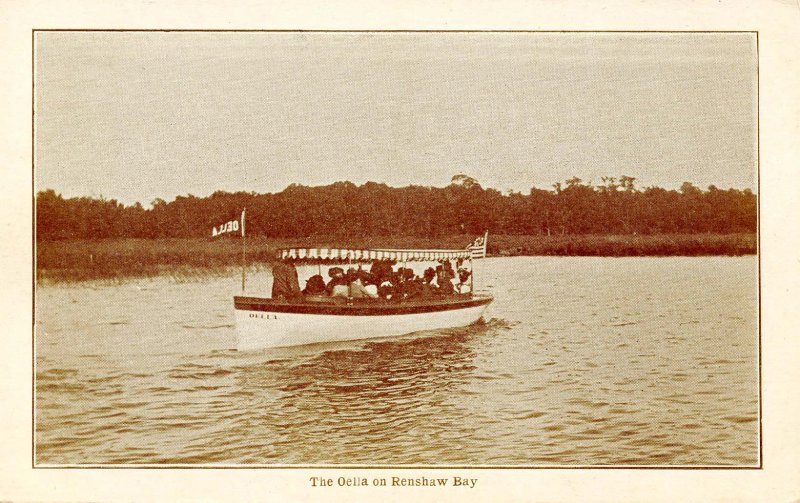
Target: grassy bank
x,y
126,258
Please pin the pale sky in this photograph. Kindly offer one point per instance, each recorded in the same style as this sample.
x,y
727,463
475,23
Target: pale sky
x,y
135,116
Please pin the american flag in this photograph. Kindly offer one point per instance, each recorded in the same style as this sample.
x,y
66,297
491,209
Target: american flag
x,y
478,248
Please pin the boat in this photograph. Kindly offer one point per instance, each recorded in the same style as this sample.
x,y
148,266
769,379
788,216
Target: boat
x,y
263,322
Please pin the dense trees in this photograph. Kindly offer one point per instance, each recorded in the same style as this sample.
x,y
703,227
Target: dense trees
x,y
344,209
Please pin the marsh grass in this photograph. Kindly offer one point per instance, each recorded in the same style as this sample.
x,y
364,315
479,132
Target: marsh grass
x,y
189,259
659,245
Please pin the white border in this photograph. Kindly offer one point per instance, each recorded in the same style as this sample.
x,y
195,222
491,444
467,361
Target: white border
x,y
779,37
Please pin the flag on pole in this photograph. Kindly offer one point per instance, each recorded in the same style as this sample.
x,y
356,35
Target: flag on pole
x,y
478,248
231,226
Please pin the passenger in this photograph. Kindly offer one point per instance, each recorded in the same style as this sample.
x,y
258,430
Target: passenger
x,y
414,288
337,279
402,283
398,291
386,289
370,282
284,281
357,288
443,281
450,274
463,286
315,285
376,267
407,285
425,287
388,273
381,270
367,277
340,291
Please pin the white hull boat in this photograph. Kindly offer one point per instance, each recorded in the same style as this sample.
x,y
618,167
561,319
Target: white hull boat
x,y
344,310
264,323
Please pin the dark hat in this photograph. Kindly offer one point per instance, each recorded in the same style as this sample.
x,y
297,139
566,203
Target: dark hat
x,y
335,271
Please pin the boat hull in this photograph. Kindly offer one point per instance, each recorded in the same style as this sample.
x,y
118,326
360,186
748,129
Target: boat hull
x,y
261,323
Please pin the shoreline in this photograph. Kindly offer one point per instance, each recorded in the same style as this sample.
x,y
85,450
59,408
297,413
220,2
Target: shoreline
x,y
122,259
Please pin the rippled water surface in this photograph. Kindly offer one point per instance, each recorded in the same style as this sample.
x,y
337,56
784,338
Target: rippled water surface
x,y
582,361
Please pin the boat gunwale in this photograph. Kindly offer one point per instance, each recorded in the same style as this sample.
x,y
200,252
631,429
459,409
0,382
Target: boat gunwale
x,y
358,308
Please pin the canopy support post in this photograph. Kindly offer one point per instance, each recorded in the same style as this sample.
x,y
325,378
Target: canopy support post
x,y
471,276
349,283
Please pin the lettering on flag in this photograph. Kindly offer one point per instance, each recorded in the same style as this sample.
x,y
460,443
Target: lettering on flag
x,y
232,226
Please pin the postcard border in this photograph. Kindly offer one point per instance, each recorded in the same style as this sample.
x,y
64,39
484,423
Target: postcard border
x,y
189,466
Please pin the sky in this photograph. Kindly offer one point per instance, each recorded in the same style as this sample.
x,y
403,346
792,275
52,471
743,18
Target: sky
x,y
136,116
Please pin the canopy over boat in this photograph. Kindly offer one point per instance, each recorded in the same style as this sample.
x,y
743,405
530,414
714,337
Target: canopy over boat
x,y
349,255
398,304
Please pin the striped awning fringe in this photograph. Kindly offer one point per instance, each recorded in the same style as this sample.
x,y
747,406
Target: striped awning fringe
x,y
343,255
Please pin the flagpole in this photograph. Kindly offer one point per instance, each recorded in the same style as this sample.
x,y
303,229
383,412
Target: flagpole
x,y
483,254
244,251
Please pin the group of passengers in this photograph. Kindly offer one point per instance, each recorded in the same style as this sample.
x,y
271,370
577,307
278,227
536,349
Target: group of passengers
x,y
382,281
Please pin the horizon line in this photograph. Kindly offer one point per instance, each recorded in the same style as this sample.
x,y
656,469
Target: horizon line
x,y
504,192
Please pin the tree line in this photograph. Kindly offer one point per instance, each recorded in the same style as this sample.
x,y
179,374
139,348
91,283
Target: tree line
x,y
615,206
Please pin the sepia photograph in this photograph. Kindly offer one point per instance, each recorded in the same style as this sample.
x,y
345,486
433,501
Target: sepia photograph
x,y
377,249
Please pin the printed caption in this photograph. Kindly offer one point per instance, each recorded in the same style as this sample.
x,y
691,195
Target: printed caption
x,y
393,482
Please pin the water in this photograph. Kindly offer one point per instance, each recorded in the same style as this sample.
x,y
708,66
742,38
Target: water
x,y
582,361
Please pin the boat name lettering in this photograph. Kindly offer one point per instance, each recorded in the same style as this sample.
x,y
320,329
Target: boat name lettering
x,y
264,316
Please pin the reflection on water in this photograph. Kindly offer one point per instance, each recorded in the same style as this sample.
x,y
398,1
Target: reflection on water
x,y
583,361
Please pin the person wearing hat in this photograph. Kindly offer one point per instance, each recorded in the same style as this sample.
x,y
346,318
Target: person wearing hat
x,y
315,285
381,271
443,276
357,288
337,286
284,281
463,275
